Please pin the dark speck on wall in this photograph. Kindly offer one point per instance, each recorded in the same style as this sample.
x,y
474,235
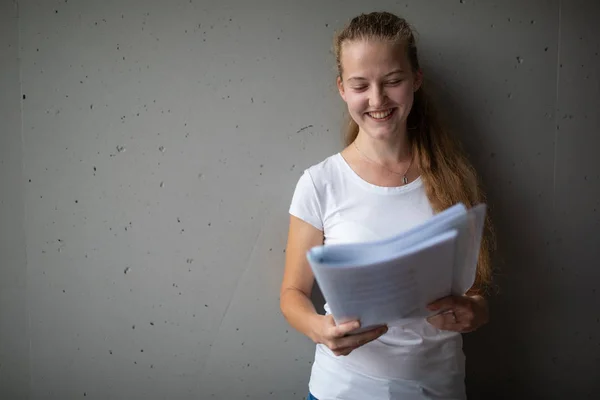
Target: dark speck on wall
x,y
24,97
303,128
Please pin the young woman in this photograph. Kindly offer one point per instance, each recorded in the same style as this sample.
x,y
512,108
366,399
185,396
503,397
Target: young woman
x,y
400,167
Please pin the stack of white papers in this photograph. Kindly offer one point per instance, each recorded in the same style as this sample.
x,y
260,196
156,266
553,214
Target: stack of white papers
x,y
391,281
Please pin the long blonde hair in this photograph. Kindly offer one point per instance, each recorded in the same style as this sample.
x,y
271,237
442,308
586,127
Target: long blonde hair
x,y
447,174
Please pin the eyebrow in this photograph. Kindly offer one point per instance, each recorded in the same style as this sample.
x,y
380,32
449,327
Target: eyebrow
x,y
358,78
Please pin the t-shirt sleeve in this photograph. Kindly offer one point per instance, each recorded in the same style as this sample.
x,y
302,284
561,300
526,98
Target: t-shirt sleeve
x,y
305,202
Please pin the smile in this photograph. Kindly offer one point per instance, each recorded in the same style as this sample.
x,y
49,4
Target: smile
x,y
382,115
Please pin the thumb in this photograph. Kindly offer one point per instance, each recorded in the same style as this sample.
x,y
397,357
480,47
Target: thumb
x,y
440,304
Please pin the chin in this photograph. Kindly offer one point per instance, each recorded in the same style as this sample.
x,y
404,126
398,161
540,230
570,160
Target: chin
x,y
382,132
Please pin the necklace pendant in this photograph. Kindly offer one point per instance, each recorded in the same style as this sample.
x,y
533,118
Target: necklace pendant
x,y
404,180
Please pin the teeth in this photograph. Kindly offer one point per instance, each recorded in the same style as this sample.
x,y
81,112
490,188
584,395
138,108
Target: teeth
x,y
380,114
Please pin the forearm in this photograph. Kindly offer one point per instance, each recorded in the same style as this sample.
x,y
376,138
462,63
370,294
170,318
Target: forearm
x,y
300,313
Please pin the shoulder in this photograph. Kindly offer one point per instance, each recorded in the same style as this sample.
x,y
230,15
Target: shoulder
x,y
324,172
309,199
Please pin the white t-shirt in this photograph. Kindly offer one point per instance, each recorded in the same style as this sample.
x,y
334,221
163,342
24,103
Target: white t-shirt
x,y
409,362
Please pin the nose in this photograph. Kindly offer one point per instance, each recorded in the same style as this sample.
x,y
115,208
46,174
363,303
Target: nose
x,y
377,96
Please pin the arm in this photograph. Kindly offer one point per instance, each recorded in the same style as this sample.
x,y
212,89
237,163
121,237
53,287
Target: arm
x,y
295,302
298,279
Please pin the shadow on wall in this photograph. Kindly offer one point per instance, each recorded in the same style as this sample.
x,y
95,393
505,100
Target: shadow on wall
x,y
497,362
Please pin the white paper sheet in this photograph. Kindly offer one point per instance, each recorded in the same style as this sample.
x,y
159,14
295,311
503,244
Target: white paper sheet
x,y
392,280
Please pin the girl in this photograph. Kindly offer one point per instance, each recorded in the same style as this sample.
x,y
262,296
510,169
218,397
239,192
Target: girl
x,y
400,167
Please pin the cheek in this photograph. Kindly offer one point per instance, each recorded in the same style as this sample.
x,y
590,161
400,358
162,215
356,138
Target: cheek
x,y
404,95
408,100
357,103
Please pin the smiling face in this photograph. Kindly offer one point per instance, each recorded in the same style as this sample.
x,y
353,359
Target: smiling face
x,y
378,85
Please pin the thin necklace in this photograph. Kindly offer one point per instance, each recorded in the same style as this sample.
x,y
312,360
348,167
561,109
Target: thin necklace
x,y
403,175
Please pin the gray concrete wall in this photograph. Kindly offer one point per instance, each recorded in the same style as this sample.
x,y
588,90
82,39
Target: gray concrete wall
x,y
149,150
14,313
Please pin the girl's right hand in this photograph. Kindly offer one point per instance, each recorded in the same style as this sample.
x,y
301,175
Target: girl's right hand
x,y
337,339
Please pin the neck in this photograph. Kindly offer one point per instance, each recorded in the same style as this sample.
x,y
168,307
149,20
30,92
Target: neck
x,y
391,151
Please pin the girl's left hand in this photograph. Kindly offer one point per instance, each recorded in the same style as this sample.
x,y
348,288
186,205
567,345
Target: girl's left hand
x,y
459,313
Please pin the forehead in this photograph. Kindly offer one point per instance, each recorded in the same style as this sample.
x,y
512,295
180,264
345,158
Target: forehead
x,y
367,58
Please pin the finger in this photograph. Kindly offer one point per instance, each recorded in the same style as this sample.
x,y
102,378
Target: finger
x,y
362,338
357,341
344,352
437,321
465,314
443,303
467,320
446,321
341,347
466,309
342,330
344,346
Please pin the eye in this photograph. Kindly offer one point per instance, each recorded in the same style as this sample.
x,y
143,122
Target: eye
x,y
359,88
395,82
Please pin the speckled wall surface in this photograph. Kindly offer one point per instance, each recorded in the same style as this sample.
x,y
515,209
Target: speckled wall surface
x,y
14,321
149,150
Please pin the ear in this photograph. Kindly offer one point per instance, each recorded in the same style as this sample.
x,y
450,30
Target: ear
x,y
340,86
418,81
